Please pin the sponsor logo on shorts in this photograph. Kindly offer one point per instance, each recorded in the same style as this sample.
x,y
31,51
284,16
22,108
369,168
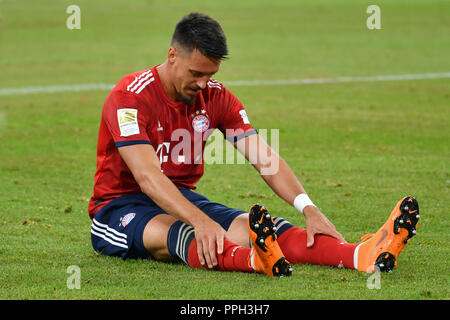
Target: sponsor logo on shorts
x,y
127,219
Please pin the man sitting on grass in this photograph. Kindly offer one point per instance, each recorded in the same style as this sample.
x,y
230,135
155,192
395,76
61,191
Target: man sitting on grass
x,y
153,130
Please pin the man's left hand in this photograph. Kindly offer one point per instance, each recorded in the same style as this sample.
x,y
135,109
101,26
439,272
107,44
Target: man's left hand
x,y
317,223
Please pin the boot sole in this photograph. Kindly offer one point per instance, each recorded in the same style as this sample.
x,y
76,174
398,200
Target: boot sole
x,y
262,224
408,219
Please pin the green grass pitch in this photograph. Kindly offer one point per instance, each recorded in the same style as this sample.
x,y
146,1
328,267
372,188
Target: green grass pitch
x,y
357,147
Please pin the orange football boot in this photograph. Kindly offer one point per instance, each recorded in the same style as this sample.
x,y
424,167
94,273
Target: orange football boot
x,y
266,256
380,251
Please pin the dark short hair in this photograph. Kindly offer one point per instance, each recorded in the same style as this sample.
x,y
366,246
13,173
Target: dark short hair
x,y
201,32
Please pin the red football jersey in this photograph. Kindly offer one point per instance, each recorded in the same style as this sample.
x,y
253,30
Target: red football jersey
x,y
138,111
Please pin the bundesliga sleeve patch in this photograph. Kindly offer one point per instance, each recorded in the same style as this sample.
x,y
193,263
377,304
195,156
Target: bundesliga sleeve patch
x,y
244,116
128,124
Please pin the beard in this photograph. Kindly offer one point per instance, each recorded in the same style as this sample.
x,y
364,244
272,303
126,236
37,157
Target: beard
x,y
189,99
186,99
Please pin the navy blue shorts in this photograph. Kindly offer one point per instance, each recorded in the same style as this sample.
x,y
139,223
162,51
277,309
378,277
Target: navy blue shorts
x,y
117,229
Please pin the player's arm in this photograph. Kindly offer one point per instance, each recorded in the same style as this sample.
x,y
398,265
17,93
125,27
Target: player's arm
x,y
280,177
144,164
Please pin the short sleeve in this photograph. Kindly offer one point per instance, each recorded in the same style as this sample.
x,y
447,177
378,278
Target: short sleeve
x,y
127,119
234,122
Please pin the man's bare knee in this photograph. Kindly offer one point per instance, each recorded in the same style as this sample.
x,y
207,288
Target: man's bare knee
x,y
238,231
155,236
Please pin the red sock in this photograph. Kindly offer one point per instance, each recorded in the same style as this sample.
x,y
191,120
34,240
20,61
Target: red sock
x,y
326,250
233,258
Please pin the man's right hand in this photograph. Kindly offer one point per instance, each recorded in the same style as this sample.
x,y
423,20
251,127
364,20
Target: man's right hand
x,y
209,235
144,164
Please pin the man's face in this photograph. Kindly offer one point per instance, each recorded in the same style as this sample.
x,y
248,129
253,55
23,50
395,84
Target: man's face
x,y
191,72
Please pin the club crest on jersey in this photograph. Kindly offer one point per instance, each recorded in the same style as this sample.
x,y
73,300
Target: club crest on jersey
x,y
127,219
200,123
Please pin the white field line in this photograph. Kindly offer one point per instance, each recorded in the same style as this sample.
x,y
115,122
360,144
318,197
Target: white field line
x,y
105,86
